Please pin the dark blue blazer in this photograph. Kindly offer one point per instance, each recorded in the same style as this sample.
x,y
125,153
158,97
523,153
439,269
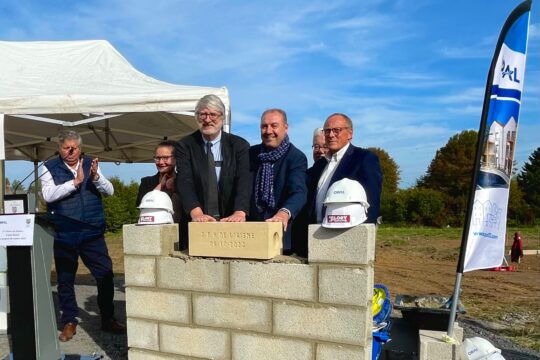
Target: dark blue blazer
x,y
357,164
290,189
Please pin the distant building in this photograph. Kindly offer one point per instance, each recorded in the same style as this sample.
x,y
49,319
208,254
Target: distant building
x,y
500,147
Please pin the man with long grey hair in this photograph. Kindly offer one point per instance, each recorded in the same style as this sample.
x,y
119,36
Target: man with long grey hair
x,y
213,181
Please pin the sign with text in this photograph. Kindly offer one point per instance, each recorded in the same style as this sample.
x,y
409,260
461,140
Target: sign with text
x,y
17,230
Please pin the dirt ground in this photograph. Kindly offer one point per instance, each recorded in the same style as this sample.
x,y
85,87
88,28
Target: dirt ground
x,y
509,301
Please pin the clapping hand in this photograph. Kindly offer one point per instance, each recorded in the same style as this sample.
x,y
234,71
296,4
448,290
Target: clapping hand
x,y
93,169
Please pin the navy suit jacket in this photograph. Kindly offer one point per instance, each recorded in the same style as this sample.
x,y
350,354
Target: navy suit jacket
x,y
357,164
290,189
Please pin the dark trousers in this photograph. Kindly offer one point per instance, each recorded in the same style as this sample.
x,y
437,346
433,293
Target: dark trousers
x,y
95,256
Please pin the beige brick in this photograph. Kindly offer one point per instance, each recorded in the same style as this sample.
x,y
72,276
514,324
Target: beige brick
x,y
196,342
232,312
276,280
340,352
142,334
157,305
432,346
328,323
149,239
253,346
342,285
136,354
344,246
193,274
140,270
248,240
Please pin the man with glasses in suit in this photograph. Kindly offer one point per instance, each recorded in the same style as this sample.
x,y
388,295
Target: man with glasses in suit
x,y
213,180
343,160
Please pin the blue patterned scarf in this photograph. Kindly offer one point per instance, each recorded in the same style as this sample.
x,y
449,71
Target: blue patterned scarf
x,y
264,184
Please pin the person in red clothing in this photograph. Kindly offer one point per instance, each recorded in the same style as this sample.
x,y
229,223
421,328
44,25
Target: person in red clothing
x,y
516,252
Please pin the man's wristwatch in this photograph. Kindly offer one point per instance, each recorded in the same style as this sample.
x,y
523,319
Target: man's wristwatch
x,y
286,211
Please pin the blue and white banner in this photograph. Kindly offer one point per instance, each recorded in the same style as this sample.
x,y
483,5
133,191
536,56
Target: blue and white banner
x,y
484,247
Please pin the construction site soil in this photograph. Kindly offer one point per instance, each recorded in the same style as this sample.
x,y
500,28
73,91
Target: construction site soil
x,y
500,304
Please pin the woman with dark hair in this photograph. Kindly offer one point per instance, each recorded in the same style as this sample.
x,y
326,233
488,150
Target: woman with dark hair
x,y
164,179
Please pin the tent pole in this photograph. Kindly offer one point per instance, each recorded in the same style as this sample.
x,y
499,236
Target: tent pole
x,y
36,177
2,185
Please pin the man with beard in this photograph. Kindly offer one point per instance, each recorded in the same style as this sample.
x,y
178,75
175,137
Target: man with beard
x,y
213,178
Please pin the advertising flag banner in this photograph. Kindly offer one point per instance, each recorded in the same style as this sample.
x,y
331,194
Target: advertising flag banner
x,y
484,246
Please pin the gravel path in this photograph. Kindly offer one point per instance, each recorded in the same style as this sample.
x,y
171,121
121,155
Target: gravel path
x,y
90,339
510,350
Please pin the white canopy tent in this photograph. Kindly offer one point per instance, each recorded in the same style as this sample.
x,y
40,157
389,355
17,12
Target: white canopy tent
x,y
88,86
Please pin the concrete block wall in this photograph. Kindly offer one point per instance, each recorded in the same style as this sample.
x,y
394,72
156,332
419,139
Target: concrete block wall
x,y
182,307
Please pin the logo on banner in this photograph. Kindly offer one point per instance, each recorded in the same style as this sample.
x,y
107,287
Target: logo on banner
x,y
512,74
338,219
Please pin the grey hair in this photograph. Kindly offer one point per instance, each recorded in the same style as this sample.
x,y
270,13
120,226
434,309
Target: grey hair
x,y
282,112
64,135
211,102
318,131
344,117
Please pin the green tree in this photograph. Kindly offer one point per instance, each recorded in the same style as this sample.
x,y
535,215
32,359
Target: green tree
x,y
450,172
391,179
18,187
519,212
120,208
529,182
417,206
390,170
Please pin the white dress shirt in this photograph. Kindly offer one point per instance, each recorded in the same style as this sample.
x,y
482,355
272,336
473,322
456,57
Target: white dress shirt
x,y
52,192
324,180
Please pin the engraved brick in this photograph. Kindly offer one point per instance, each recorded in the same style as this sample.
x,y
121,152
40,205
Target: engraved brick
x,y
140,270
251,240
276,280
193,274
340,352
149,239
232,312
157,305
142,334
254,346
348,286
196,342
328,323
344,246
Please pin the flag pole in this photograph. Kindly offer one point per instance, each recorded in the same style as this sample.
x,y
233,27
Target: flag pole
x,y
516,13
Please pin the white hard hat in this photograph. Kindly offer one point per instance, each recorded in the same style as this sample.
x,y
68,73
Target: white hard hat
x,y
155,216
344,215
156,199
346,191
477,348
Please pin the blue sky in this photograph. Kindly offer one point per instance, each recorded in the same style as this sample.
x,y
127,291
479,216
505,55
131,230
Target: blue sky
x,y
409,73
